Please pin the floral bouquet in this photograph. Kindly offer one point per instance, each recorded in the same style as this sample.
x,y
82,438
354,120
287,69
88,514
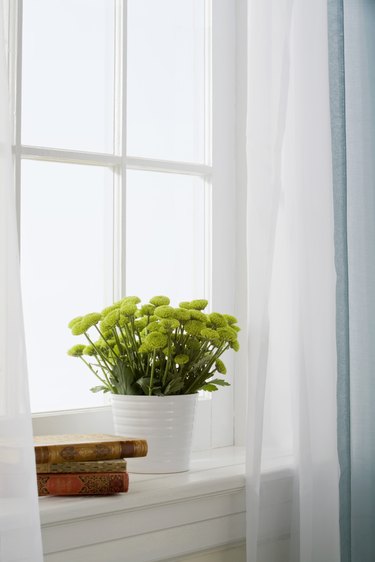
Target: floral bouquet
x,y
154,348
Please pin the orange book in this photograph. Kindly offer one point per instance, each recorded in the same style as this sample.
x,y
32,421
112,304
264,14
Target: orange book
x,y
82,484
90,447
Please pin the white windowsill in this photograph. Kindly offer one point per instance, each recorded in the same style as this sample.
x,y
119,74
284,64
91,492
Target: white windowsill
x,y
168,515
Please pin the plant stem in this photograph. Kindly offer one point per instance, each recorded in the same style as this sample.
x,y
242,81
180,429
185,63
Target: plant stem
x,y
119,344
100,353
168,363
152,373
105,339
132,348
105,382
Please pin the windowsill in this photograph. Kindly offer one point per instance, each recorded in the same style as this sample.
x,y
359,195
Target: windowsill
x,y
168,515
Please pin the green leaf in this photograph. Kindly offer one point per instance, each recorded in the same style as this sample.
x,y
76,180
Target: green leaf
x,y
175,385
144,383
209,387
220,382
123,379
99,389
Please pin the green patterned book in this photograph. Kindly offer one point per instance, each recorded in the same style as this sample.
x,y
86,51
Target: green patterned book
x,y
83,466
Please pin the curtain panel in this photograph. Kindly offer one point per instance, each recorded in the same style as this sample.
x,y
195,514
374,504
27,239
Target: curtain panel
x,y
20,536
291,269
352,81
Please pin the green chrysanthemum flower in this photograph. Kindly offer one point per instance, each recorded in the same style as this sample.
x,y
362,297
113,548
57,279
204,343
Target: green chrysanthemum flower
x,y
123,320
89,350
168,351
198,304
76,350
181,314
160,300
128,308
111,319
194,327
181,359
109,309
210,334
153,326
74,321
198,315
144,348
169,323
86,323
104,330
220,367
77,329
235,345
147,309
156,340
234,327
130,300
230,319
164,311
105,346
217,319
141,323
227,334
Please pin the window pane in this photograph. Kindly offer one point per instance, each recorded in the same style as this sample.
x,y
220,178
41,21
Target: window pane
x,y
66,265
68,74
166,79
165,235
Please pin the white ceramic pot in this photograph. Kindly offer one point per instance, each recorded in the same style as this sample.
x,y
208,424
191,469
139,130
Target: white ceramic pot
x,y
167,424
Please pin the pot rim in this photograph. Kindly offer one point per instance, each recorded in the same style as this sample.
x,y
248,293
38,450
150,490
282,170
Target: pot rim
x,y
145,396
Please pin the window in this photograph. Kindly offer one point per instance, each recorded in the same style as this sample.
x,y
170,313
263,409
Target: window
x,y
124,159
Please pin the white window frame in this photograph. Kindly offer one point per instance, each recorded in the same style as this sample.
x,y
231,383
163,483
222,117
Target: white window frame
x,y
215,417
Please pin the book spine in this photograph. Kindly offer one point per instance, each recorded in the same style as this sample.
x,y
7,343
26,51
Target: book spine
x,y
90,451
93,484
88,466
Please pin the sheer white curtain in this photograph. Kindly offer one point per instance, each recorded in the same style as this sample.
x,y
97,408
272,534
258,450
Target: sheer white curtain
x,y
291,266
20,538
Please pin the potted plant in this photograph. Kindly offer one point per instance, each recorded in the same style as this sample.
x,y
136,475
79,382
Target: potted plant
x,y
154,358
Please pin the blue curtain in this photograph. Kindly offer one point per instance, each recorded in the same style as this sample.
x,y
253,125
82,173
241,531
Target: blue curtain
x,y
352,91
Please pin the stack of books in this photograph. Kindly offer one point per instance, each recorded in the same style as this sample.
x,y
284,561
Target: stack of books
x,y
71,465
